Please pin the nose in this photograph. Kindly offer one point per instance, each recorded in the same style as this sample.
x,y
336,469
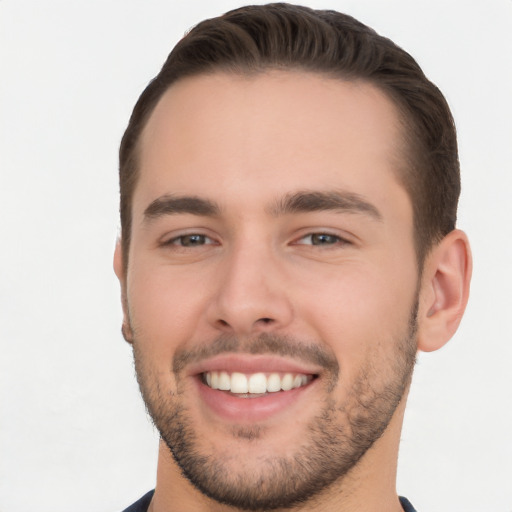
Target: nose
x,y
251,293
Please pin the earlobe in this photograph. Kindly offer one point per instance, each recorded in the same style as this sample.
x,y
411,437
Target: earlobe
x,y
445,291
121,275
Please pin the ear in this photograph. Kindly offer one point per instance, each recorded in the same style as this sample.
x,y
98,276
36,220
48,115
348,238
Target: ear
x,y
444,291
119,269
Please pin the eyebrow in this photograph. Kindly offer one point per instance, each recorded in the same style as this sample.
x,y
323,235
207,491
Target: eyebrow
x,y
169,205
315,201
298,202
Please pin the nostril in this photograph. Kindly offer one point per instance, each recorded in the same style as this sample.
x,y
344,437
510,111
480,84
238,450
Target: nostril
x,y
260,323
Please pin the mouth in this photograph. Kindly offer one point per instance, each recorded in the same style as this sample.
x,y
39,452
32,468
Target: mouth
x,y
254,385
250,389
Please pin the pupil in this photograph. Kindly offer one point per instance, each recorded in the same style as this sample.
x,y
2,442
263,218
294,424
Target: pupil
x,y
322,239
193,240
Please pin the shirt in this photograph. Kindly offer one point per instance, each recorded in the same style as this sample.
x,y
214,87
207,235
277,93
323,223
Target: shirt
x,y
143,504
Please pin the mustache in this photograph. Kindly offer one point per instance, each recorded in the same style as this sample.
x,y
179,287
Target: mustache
x,y
264,343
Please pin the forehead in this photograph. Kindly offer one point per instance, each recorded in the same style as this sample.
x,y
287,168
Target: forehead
x,y
271,132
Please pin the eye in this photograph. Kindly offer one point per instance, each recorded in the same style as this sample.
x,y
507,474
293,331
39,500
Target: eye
x,y
322,239
191,240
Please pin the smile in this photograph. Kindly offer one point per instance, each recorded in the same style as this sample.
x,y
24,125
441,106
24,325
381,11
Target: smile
x,y
256,384
253,388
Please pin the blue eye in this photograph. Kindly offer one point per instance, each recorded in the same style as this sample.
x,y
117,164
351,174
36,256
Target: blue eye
x,y
324,239
192,240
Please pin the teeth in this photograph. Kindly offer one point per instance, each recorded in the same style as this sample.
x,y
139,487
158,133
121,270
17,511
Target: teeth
x,y
273,383
224,381
287,382
256,383
239,383
297,381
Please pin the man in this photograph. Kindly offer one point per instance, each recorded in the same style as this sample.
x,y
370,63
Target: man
x,y
289,186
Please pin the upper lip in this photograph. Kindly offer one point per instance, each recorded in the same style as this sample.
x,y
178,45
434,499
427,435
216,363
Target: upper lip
x,y
249,364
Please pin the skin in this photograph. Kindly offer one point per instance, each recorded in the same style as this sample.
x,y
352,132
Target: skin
x,y
246,145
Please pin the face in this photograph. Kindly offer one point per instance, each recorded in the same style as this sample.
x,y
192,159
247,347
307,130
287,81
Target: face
x,y
272,287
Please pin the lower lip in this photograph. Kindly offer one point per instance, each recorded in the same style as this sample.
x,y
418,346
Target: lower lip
x,y
250,410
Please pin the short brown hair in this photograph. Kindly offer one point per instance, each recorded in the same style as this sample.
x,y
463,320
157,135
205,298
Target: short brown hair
x,y
257,38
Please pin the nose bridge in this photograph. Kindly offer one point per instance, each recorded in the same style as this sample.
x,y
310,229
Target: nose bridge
x,y
251,295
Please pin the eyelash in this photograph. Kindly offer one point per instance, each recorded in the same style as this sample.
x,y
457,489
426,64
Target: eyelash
x,y
187,241
174,241
335,240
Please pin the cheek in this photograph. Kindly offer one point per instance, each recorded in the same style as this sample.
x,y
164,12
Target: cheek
x,y
164,305
360,311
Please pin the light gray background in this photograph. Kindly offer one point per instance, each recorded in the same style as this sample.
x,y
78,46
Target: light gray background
x,y
74,436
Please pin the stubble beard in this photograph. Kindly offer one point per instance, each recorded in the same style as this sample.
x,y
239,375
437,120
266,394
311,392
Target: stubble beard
x,y
336,440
